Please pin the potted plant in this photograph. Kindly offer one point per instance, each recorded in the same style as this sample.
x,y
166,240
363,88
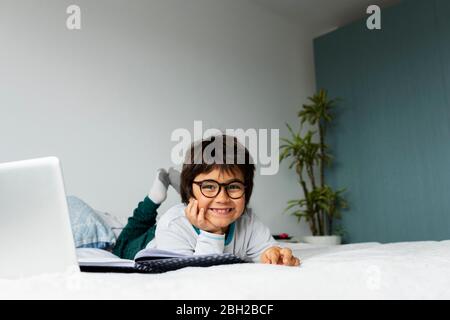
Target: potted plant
x,y
320,205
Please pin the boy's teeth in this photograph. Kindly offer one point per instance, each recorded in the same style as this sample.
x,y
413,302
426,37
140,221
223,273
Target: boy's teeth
x,y
221,210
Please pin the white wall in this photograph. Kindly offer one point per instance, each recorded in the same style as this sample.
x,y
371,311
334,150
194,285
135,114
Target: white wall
x,y
106,99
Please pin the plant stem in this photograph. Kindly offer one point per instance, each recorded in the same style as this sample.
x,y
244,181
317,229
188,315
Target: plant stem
x,y
322,129
329,224
322,153
316,211
319,221
312,222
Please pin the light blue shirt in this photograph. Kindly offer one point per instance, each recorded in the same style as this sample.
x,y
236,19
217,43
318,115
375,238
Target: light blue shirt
x,y
247,238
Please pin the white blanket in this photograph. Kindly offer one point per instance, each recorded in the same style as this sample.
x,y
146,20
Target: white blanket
x,y
409,270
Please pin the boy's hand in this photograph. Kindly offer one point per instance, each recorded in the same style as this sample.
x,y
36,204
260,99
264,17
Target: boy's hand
x,y
277,255
197,218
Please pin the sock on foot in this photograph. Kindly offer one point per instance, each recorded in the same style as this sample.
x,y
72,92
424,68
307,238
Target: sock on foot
x,y
158,191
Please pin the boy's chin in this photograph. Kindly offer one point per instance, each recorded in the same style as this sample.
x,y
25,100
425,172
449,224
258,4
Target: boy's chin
x,y
221,222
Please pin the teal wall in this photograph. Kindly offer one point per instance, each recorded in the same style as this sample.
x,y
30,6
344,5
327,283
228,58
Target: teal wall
x,y
391,138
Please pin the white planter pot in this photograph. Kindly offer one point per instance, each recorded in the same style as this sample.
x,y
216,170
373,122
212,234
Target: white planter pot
x,y
323,240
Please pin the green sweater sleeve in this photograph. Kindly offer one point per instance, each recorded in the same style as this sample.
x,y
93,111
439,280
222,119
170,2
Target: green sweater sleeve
x,y
139,231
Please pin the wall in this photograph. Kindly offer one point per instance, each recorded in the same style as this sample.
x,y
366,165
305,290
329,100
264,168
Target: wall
x,y
105,99
391,137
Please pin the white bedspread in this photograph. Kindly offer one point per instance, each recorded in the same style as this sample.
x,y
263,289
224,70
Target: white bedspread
x,y
409,270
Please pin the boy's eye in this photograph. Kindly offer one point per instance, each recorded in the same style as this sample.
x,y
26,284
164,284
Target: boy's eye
x,y
234,186
209,186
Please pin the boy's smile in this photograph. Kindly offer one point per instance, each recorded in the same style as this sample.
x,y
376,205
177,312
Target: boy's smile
x,y
221,210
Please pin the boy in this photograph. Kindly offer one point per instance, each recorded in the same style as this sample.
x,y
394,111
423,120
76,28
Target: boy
x,y
214,217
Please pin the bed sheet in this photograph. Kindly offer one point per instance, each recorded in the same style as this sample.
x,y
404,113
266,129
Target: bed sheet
x,y
408,270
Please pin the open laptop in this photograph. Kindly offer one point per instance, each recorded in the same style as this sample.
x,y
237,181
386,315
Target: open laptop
x,y
35,231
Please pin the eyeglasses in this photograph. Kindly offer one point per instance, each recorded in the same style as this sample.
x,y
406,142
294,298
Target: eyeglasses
x,y
211,188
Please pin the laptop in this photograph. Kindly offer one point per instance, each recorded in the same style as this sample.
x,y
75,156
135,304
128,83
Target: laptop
x,y
35,230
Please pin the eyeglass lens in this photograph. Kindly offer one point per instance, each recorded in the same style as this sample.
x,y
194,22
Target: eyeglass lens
x,y
211,189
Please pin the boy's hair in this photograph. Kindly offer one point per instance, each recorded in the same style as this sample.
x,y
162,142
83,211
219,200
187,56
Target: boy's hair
x,y
218,152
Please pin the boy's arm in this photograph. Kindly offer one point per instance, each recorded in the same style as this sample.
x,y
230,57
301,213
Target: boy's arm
x,y
178,235
139,231
209,243
260,239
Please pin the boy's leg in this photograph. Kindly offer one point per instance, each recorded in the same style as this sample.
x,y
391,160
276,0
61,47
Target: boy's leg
x,y
140,229
174,179
158,191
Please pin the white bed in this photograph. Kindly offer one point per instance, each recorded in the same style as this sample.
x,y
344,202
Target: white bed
x,y
409,270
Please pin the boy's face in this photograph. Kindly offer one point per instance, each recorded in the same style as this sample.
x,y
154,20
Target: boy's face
x,y
221,210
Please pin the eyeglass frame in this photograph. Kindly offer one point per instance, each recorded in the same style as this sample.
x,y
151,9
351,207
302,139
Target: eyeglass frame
x,y
199,183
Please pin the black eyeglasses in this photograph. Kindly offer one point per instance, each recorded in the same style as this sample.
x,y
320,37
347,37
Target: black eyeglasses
x,y
211,188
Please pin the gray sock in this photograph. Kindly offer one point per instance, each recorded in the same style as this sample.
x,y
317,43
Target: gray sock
x,y
158,192
174,178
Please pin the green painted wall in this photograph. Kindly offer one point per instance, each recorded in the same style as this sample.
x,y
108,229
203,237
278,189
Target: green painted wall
x,y
391,138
